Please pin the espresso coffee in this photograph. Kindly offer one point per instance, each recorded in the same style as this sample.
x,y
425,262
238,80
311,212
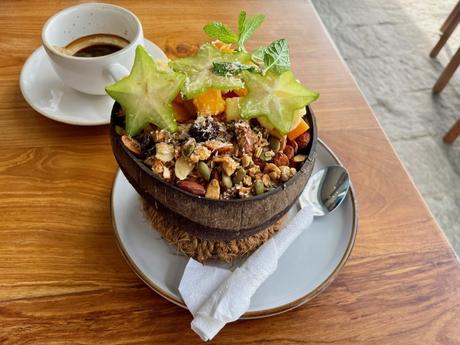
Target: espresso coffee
x,y
95,45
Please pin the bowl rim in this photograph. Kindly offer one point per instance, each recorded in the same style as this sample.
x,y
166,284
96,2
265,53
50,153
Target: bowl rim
x,y
284,185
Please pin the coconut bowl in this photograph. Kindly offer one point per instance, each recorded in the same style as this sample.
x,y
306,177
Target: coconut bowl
x,y
213,219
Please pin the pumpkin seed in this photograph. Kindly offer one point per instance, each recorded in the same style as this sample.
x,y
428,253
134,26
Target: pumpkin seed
x,y
259,187
227,181
204,171
239,176
189,147
274,143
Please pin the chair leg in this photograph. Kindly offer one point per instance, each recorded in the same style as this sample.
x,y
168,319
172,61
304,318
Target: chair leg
x,y
447,29
453,133
451,17
447,73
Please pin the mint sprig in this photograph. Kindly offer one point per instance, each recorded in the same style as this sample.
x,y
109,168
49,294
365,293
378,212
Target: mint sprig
x,y
221,32
246,27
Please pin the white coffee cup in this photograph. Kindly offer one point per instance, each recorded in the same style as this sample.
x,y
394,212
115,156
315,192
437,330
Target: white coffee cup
x,y
91,74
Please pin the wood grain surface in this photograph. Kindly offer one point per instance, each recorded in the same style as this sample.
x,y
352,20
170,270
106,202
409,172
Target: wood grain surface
x,y
63,280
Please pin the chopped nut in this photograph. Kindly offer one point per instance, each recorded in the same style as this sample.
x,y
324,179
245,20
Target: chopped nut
x,y
213,191
258,152
299,158
285,173
166,173
157,166
182,168
244,192
219,146
246,160
245,136
253,171
158,136
247,181
266,180
274,175
131,144
200,153
229,165
164,152
270,167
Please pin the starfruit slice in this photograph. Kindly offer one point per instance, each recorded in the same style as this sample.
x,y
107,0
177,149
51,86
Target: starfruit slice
x,y
146,94
199,70
275,97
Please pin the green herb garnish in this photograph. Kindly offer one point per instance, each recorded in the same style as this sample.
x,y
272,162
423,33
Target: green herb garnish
x,y
230,68
146,94
246,27
199,70
276,57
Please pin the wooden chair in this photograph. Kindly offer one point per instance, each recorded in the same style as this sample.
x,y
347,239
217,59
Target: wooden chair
x,y
446,31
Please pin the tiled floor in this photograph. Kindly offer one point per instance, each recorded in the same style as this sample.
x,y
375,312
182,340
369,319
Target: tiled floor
x,y
386,46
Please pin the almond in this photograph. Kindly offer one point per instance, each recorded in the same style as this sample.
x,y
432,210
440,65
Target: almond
x,y
281,159
303,140
192,187
131,144
289,151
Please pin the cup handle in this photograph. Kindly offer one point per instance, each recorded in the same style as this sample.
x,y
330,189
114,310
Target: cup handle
x,y
117,71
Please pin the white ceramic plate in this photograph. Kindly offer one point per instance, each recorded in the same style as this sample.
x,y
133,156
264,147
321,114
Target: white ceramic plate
x,y
47,94
307,267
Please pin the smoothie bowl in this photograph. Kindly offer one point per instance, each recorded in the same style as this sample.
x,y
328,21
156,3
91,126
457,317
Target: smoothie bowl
x,y
222,142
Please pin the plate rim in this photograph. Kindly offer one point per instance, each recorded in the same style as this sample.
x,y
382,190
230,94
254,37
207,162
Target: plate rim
x,y
261,313
51,116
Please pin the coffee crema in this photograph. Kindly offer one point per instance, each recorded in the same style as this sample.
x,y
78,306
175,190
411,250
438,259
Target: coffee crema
x,y
95,45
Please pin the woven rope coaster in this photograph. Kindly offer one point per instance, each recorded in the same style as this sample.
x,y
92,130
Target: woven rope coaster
x,y
201,249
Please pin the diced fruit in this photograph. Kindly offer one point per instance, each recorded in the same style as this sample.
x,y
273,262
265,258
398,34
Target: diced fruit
x,y
241,92
301,128
276,97
232,109
198,70
209,102
183,110
146,94
225,47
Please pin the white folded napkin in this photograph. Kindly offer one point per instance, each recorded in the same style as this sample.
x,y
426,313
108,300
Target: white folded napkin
x,y
216,296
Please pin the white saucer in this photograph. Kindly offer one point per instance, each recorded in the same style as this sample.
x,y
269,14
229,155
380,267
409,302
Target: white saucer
x,y
48,95
307,267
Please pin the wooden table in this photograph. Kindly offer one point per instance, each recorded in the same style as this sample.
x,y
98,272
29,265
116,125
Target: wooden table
x,y
63,280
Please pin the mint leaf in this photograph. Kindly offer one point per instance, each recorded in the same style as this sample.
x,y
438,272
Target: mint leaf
x,y
258,55
221,32
247,27
230,68
241,20
276,57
